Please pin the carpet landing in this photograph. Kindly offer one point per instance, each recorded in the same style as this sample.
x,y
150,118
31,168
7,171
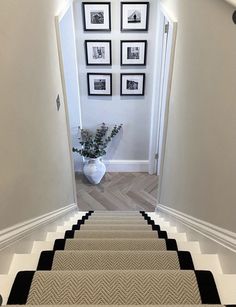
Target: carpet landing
x,y
115,259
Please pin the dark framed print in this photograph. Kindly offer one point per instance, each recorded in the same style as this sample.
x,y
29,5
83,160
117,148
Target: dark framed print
x,y
98,52
134,16
97,16
133,52
132,84
99,84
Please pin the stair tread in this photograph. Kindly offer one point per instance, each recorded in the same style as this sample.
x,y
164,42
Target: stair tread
x,y
118,260
113,287
116,244
114,234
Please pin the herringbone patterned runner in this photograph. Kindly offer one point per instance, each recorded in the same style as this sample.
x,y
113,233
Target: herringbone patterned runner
x,y
142,227
109,260
114,287
115,234
116,244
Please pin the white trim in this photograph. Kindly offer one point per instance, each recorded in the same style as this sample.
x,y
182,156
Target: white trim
x,y
217,234
13,234
134,166
57,25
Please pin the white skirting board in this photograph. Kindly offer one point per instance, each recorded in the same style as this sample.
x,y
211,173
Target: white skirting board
x,y
127,166
15,233
124,166
217,234
213,239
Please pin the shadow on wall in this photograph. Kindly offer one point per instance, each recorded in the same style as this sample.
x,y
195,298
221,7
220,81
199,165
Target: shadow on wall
x,y
113,146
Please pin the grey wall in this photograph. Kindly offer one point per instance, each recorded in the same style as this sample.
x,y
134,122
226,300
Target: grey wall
x,y
133,112
35,173
200,169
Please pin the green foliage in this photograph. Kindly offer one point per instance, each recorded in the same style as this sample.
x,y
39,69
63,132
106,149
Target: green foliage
x,y
94,146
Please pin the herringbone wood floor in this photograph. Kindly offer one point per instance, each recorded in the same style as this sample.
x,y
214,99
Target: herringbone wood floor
x,y
118,192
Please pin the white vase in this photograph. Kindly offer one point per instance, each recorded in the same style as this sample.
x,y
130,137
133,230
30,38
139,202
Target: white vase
x,y
94,170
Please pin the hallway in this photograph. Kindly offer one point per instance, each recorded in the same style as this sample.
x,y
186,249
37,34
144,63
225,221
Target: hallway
x,y
118,192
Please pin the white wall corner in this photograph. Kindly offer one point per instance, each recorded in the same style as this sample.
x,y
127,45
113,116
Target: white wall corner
x,y
15,233
135,166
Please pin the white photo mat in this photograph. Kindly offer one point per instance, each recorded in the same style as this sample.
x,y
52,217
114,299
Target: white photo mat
x,y
128,12
132,84
98,53
95,12
131,59
99,84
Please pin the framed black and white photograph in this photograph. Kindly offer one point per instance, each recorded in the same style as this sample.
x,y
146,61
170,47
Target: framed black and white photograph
x,y
133,53
98,52
132,84
134,16
97,16
99,84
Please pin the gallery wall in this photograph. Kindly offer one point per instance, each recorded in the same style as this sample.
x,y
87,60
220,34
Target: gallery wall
x,y
35,175
133,112
200,169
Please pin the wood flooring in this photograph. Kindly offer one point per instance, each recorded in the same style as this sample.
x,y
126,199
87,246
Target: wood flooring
x,y
118,192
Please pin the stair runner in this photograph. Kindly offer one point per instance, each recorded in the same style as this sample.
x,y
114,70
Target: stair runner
x,y
115,258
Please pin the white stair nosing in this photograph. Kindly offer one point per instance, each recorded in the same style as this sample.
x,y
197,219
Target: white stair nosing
x,y
208,262
6,282
39,246
226,288
23,262
52,236
191,246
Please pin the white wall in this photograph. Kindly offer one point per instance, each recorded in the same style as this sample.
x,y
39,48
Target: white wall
x,y
133,112
35,172
200,169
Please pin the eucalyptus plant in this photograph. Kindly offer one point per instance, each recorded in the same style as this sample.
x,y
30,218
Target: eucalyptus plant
x,y
95,145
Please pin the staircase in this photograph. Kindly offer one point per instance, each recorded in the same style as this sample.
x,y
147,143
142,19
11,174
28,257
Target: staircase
x,y
116,258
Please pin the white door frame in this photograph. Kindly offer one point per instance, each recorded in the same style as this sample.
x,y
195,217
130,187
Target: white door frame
x,y
58,19
161,93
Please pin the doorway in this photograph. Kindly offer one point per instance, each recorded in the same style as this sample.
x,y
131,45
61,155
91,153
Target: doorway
x,y
69,74
161,95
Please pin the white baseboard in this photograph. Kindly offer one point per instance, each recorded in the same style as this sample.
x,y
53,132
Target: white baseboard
x,y
135,166
12,234
124,166
217,234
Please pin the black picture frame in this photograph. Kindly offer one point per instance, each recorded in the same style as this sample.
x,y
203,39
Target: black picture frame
x,y
124,62
103,29
144,28
91,93
142,93
96,62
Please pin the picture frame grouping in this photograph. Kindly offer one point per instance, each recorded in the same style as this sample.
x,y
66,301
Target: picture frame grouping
x,y
134,16
132,52
131,84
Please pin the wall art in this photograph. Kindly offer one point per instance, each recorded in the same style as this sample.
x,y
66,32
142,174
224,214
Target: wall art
x,y
132,84
97,16
133,52
134,16
99,84
98,52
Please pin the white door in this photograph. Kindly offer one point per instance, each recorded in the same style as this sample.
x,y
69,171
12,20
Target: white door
x,y
69,74
166,37
162,101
